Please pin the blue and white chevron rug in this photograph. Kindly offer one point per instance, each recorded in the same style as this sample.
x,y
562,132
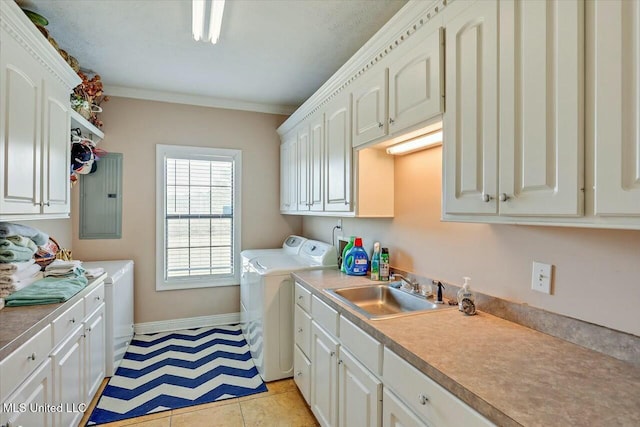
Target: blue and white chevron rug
x,y
176,369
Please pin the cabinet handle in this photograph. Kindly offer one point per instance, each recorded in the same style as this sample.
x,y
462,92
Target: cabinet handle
x,y
346,202
72,320
299,330
48,203
98,298
391,121
423,399
333,353
380,125
89,329
340,362
504,197
299,374
486,198
299,296
32,356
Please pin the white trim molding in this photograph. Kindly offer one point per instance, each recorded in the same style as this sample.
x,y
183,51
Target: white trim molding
x,y
197,100
186,323
413,16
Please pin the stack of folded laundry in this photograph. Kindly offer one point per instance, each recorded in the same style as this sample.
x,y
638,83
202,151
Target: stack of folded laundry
x,y
18,244
59,268
16,275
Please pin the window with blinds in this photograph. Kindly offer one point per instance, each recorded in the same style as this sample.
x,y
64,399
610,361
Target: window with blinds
x,y
199,217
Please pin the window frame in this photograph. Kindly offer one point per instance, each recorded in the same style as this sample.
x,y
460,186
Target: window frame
x,y
195,153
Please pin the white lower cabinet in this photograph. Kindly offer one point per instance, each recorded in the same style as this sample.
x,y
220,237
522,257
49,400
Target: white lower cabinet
x,y
432,403
25,406
94,352
324,384
68,377
397,414
360,393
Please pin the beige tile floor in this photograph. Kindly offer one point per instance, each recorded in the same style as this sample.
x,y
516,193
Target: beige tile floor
x,y
282,406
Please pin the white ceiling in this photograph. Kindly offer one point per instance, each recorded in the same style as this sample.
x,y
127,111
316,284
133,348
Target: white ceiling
x,y
275,53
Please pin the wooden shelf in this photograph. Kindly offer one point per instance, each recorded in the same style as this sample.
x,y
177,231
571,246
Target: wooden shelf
x,y
77,121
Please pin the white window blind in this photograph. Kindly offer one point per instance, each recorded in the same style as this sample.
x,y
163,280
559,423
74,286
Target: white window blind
x,y
199,217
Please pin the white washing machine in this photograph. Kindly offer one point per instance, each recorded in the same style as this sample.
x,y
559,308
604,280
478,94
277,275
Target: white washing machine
x,y
267,305
290,246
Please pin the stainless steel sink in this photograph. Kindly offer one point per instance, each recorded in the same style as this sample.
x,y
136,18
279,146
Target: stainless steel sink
x,y
383,301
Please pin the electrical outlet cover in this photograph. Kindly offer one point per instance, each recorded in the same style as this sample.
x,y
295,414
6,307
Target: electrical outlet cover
x,y
541,277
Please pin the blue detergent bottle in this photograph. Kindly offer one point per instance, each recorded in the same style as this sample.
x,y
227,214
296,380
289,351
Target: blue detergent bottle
x,y
357,260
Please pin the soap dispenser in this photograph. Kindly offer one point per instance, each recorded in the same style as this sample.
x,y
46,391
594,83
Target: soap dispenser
x,y
465,293
439,293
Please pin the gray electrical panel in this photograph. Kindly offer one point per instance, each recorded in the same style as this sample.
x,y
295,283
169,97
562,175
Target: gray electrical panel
x,y
101,200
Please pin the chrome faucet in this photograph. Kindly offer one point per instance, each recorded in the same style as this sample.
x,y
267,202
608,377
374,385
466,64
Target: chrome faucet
x,y
415,286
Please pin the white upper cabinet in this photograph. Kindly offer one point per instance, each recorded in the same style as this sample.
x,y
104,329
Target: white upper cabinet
x,y
541,108
370,107
35,83
616,56
415,86
411,76
338,155
302,166
470,146
316,163
288,173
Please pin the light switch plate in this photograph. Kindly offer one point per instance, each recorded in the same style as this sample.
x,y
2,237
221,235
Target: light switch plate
x,y
541,277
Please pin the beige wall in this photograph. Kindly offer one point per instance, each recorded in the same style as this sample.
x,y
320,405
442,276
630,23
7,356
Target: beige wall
x,y
597,272
134,127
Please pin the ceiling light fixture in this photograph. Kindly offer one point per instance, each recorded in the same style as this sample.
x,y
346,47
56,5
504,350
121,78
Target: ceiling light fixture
x,y
416,144
199,24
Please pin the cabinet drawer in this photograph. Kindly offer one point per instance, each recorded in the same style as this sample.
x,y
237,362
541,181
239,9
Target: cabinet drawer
x,y
302,373
362,345
16,367
302,328
93,299
303,297
324,315
67,322
429,400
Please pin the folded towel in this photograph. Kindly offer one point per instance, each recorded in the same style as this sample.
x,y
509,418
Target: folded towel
x,y
27,273
92,273
10,229
8,289
59,268
47,291
10,252
24,242
14,267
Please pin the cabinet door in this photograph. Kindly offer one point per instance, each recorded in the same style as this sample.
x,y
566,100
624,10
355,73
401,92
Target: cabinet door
x,y
370,108
541,107
324,377
302,373
20,125
397,414
35,390
415,86
302,327
338,157
360,394
68,377
471,122
302,166
94,352
56,149
316,163
617,109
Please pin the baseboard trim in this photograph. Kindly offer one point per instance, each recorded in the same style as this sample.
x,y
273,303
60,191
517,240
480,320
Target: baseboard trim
x,y
186,323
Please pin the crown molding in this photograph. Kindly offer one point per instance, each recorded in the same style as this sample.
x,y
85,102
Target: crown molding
x,y
413,16
198,100
20,28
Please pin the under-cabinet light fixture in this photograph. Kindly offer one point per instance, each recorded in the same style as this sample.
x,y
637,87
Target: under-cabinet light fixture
x,y
199,24
416,144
